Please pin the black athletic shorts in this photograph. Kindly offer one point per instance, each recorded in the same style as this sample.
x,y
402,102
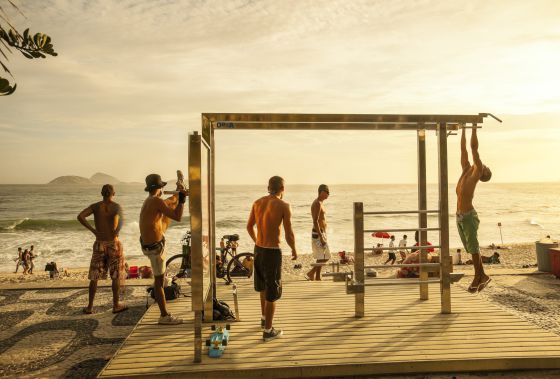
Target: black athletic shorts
x,y
268,272
392,255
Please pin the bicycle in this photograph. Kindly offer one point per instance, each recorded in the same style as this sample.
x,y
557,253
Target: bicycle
x,y
179,265
229,264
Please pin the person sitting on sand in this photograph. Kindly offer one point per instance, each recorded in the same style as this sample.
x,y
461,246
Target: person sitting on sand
x,y
378,250
414,258
467,218
319,245
19,259
268,214
155,216
107,249
392,256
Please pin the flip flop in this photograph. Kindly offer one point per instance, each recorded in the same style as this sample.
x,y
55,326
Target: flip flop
x,y
119,310
86,311
481,286
472,289
307,278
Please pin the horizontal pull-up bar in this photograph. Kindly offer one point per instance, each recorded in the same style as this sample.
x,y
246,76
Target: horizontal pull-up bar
x,y
400,230
401,212
342,118
225,125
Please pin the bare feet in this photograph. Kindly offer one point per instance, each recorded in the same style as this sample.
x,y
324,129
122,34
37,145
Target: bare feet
x,y
87,311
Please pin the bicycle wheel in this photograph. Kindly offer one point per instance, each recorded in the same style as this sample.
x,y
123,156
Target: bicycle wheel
x,y
240,266
176,270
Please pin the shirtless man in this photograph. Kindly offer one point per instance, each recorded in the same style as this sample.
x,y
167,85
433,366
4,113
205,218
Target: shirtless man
x,y
268,213
107,249
467,218
154,219
319,246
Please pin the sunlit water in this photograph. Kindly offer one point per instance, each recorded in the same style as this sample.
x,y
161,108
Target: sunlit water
x,y
46,216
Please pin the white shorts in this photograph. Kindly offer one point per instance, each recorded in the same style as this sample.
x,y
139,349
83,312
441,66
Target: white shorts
x,y
320,251
157,259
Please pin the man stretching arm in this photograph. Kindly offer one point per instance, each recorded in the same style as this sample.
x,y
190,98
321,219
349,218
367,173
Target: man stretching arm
x,y
154,220
268,213
467,218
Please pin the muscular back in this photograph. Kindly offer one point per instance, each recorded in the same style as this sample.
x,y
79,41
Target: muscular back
x,y
106,217
269,212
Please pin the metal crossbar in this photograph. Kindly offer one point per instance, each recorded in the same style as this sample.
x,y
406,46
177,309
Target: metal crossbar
x,y
400,230
406,265
401,212
397,282
403,248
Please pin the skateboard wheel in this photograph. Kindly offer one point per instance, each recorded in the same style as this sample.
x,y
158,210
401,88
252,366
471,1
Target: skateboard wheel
x,y
207,342
228,326
213,327
224,342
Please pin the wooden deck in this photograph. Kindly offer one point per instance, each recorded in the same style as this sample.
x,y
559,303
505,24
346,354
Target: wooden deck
x,y
399,334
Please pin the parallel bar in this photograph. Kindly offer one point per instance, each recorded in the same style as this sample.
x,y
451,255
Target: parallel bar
x,y
422,205
400,230
402,212
400,282
359,257
405,265
444,222
403,248
342,118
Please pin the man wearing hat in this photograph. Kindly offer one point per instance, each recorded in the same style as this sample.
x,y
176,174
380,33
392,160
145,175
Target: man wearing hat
x,y
107,249
154,219
319,246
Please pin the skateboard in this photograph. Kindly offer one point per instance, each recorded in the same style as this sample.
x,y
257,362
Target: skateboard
x,y
218,340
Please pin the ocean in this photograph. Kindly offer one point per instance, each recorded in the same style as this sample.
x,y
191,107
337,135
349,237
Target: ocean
x,y
45,216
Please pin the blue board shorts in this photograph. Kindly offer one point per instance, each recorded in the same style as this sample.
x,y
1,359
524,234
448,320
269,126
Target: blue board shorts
x,y
467,224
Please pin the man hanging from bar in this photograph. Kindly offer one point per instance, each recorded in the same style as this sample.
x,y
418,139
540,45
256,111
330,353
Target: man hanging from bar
x,y
467,218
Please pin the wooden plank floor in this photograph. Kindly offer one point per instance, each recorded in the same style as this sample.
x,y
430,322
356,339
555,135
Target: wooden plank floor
x,y
400,334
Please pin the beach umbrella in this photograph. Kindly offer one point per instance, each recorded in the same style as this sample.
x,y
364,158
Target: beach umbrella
x,y
381,235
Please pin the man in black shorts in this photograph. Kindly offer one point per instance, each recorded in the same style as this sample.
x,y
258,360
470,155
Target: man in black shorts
x,y
268,213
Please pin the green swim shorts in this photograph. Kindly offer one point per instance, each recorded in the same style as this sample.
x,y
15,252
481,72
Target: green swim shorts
x,y
467,224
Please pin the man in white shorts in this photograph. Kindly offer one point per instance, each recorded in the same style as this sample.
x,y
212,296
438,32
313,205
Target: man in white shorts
x,y
319,246
155,217
402,250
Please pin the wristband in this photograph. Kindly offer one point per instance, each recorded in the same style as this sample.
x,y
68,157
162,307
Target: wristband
x,y
182,198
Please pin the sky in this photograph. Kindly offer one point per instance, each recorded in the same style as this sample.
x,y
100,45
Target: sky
x,y
132,78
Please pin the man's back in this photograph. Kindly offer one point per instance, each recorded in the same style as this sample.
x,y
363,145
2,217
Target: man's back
x,y
106,215
269,213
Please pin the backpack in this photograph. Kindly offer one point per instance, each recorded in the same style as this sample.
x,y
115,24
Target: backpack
x,y
172,292
221,311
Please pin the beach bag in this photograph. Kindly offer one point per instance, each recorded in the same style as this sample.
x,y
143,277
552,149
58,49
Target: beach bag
x,y
172,291
221,311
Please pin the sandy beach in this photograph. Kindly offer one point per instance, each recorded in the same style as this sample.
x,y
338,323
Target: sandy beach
x,y
42,326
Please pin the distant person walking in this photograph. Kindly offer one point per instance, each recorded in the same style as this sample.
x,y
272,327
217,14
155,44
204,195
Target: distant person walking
x,y
155,217
319,246
268,214
392,256
402,246
31,257
26,261
19,259
107,249
467,218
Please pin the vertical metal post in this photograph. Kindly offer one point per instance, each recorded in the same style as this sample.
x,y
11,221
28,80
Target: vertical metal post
x,y
359,257
422,205
197,336
444,220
